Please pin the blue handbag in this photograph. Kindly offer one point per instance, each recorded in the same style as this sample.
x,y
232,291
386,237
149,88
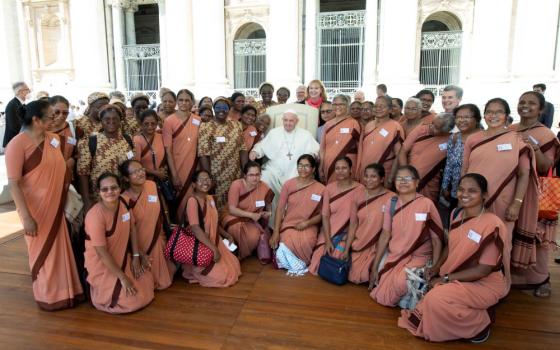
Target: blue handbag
x,y
332,269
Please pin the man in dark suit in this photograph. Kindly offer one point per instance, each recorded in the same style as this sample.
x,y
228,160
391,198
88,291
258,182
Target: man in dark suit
x,y
547,115
13,117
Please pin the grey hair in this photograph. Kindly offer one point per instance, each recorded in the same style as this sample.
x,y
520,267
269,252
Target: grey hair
x,y
344,98
17,86
415,100
448,121
458,90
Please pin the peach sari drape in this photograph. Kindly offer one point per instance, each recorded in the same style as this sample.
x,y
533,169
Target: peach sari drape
x,y
44,178
379,144
245,231
148,217
368,215
227,270
338,204
181,137
461,310
143,151
412,227
427,153
339,139
112,230
301,204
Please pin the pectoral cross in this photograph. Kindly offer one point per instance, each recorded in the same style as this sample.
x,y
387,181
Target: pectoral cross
x,y
289,155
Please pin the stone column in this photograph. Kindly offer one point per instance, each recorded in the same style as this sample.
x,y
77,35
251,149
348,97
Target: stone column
x,y
118,42
397,61
178,68
370,49
310,40
163,41
210,54
129,19
282,44
110,44
11,61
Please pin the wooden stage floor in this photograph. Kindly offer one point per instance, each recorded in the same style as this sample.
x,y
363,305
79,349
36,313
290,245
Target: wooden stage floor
x,y
265,310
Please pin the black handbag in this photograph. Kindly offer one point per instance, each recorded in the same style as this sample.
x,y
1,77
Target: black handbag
x,y
332,269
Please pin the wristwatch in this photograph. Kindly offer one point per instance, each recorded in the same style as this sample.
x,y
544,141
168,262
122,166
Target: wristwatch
x,y
446,278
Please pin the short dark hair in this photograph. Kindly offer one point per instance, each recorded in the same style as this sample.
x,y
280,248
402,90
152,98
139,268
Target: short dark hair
x,y
148,113
458,90
345,159
205,108
110,108
235,95
309,158
471,107
169,92
123,168
197,173
58,98
540,86
36,109
425,92
500,101
250,164
479,179
382,87
107,175
249,108
399,101
539,96
410,169
186,91
379,169
283,88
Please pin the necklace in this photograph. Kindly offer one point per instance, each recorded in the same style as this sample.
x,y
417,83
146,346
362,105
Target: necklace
x,y
289,144
478,217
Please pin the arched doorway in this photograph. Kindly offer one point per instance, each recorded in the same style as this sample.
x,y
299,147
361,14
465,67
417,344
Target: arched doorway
x,y
440,54
249,58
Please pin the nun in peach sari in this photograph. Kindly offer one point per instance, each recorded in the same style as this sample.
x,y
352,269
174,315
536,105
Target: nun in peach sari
x,y
297,218
249,201
118,271
202,217
536,277
366,221
472,276
39,179
411,238
145,203
335,214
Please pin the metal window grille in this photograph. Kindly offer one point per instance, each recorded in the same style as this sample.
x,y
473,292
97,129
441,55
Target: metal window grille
x,y
340,50
440,59
142,67
249,65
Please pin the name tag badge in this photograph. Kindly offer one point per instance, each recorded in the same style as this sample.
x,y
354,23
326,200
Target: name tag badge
x,y
383,208
71,141
474,236
442,146
344,130
253,133
55,143
504,147
230,245
212,204
421,216
152,198
383,132
533,140
315,197
259,204
196,122
130,155
220,139
126,217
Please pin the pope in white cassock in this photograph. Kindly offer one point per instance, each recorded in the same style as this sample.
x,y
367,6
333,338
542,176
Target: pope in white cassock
x,y
283,146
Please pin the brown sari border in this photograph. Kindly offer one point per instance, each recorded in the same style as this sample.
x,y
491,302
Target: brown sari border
x,y
34,159
505,182
422,238
385,155
424,181
490,139
181,127
62,304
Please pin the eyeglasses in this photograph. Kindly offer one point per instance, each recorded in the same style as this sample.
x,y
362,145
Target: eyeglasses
x,y
109,189
221,109
404,178
464,117
304,166
64,113
326,111
339,104
494,113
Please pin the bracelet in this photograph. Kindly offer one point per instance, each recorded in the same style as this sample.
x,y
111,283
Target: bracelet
x,y
136,255
518,200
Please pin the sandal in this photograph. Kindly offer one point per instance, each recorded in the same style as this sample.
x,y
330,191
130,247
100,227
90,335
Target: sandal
x,y
482,337
543,291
